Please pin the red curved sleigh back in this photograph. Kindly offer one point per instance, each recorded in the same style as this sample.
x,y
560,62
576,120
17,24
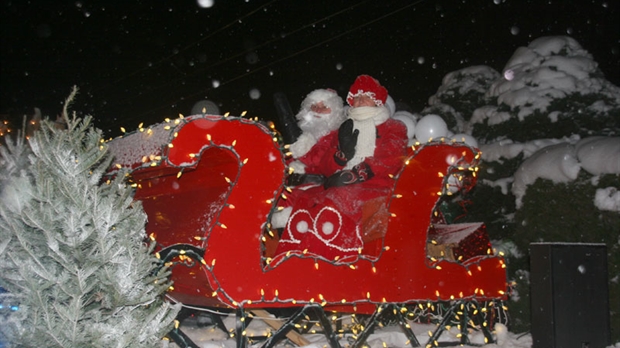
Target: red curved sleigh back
x,y
209,183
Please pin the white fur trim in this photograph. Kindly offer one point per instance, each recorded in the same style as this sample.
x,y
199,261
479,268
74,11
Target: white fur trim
x,y
280,218
319,95
372,96
298,167
303,144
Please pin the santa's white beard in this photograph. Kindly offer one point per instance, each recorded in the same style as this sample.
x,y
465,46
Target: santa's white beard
x,y
314,123
313,126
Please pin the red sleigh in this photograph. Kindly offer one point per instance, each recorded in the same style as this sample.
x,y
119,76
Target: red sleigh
x,y
209,184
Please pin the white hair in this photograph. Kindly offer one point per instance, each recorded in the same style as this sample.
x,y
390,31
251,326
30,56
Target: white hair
x,y
313,127
330,99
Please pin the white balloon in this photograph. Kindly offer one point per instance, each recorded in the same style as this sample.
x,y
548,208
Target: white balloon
x,y
430,127
390,105
205,3
408,119
465,138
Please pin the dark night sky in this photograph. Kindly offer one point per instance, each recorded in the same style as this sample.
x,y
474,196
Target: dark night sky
x,y
142,61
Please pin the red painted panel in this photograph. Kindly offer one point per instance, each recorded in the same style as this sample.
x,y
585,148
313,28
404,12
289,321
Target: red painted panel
x,y
215,186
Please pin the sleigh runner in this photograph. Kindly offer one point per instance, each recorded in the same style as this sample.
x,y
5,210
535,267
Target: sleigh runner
x,y
209,185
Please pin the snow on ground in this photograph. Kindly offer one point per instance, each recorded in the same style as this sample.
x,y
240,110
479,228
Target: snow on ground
x,y
389,336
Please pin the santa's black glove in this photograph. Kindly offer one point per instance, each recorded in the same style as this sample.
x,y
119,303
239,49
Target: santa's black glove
x,y
358,173
347,139
302,179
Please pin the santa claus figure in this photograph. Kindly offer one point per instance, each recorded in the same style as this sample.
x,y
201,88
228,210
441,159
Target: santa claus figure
x,y
321,112
334,219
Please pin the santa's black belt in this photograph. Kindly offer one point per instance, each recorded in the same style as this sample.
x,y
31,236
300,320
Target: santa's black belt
x,y
304,179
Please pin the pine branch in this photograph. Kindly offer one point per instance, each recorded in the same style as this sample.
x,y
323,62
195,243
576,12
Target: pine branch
x,y
71,247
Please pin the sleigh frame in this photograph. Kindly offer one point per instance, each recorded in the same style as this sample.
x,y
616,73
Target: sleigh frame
x,y
209,185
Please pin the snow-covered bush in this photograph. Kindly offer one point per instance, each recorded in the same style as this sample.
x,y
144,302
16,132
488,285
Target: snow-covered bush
x,y
552,88
549,130
461,93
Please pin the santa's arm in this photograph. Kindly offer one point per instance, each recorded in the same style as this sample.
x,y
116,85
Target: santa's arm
x,y
390,150
303,144
320,158
387,159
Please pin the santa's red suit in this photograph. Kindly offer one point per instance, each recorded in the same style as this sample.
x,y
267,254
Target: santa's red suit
x,y
333,223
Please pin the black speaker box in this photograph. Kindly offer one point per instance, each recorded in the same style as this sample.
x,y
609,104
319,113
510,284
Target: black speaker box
x,y
569,295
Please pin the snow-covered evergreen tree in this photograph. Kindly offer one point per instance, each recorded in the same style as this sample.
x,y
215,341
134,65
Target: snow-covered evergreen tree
x,y
72,247
548,127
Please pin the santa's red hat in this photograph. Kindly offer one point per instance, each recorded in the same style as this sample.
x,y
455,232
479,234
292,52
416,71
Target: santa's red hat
x,y
367,85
